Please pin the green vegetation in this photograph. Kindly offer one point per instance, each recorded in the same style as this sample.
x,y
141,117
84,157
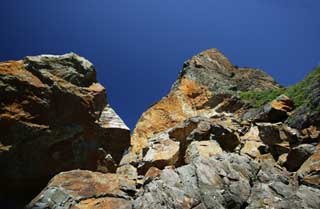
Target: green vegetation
x,y
259,98
299,93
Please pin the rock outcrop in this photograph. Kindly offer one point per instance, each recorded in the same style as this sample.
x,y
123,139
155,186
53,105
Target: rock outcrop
x,y
54,117
208,83
207,144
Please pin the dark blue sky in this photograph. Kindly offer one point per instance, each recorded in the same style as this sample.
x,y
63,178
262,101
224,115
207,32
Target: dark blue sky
x,y
138,46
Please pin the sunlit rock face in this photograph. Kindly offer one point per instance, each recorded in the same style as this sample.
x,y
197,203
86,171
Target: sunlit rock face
x,y
208,83
54,117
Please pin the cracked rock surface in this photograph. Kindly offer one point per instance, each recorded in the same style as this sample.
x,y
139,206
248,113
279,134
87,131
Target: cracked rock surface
x,y
200,147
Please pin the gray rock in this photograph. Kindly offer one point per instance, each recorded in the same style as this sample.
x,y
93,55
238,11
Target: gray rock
x,y
218,182
70,67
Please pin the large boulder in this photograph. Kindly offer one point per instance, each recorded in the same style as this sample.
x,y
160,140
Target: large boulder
x,y
80,189
54,117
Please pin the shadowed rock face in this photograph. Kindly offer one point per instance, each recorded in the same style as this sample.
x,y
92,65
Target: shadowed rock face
x,y
54,117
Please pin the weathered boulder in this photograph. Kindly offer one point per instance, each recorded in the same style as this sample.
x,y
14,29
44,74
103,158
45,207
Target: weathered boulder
x,y
162,152
278,137
54,117
80,189
274,138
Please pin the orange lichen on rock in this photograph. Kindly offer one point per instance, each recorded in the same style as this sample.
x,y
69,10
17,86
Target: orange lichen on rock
x,y
195,94
164,114
284,104
85,189
103,203
18,71
168,112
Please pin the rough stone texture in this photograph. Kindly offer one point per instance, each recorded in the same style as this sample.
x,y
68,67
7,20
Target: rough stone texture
x,y
80,189
205,149
252,148
206,80
278,137
162,152
220,182
275,111
54,117
170,146
128,171
274,188
226,181
194,149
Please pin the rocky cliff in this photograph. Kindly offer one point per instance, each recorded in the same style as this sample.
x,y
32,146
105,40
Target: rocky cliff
x,y
54,117
223,137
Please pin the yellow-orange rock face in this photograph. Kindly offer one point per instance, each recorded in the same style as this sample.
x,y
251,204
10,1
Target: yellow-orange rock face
x,y
171,110
103,203
206,80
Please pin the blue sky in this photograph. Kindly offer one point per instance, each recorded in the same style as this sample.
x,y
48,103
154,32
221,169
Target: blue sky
x,y
138,47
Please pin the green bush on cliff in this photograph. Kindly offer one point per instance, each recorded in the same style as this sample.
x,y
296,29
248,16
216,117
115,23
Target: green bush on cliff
x,y
299,93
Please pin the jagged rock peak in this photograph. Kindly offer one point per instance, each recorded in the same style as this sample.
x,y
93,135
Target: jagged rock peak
x,y
212,69
208,83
